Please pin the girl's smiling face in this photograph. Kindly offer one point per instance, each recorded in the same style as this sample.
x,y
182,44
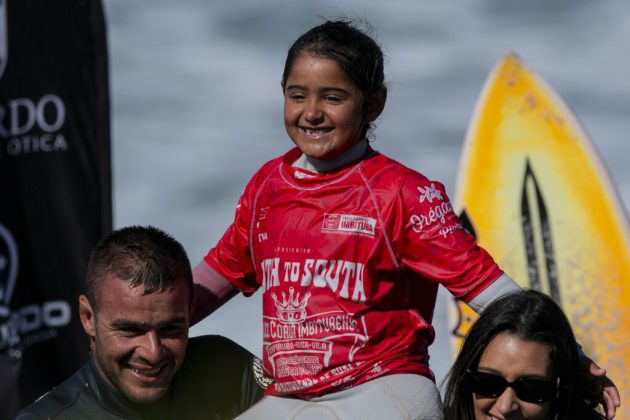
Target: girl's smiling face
x,y
324,111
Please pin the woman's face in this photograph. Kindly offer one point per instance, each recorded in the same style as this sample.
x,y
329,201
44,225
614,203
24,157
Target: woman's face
x,y
512,358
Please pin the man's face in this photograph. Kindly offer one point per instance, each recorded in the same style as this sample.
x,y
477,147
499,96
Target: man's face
x,y
138,340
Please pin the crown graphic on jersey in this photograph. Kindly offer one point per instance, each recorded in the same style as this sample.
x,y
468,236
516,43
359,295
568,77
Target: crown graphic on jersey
x,y
291,310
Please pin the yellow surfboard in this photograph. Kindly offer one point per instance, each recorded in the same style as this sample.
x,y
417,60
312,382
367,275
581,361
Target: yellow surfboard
x,y
537,196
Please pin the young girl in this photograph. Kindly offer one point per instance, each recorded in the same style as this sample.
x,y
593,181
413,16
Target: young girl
x,y
348,247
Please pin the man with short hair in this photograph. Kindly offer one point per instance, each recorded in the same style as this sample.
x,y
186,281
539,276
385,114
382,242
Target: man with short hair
x,y
136,311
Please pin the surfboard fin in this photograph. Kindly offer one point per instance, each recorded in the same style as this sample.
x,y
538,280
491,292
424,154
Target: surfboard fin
x,y
537,236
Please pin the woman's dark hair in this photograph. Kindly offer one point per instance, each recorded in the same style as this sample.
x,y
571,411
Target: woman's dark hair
x,y
531,316
356,54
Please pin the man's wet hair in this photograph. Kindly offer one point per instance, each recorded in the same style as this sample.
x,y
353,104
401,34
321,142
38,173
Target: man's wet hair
x,y
140,256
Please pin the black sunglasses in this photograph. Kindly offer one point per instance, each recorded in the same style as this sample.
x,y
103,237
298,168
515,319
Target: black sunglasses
x,y
526,389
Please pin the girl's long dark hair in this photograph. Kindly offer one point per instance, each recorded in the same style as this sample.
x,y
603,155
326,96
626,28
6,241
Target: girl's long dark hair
x,y
530,315
354,51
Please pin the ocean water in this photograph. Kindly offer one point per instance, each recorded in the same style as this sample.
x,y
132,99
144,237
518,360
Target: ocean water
x,y
197,104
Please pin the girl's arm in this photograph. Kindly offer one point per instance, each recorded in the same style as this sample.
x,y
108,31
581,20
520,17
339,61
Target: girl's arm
x,y
501,286
211,291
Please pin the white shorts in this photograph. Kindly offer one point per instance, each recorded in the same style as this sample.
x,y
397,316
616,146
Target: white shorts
x,y
402,396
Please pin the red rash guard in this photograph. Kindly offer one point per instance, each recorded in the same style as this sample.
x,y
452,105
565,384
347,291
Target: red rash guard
x,y
349,264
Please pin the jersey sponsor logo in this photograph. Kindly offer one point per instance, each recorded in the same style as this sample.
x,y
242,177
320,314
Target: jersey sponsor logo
x,y
430,193
306,348
376,371
447,230
435,214
347,223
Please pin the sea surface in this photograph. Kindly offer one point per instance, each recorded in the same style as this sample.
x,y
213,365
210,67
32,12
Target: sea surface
x,y
197,104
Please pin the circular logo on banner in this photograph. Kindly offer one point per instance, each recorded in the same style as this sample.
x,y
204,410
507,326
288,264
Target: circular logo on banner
x,y
8,268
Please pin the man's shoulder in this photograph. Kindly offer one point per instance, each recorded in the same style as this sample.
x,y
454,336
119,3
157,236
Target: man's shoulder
x,y
218,377
221,357
215,353
60,402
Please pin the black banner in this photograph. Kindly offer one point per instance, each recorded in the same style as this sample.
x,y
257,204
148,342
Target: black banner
x,y
55,186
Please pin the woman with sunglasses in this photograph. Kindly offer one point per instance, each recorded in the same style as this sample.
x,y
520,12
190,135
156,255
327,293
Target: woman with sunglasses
x,y
520,360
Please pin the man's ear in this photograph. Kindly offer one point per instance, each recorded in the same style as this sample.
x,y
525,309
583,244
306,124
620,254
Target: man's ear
x,y
376,103
86,313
